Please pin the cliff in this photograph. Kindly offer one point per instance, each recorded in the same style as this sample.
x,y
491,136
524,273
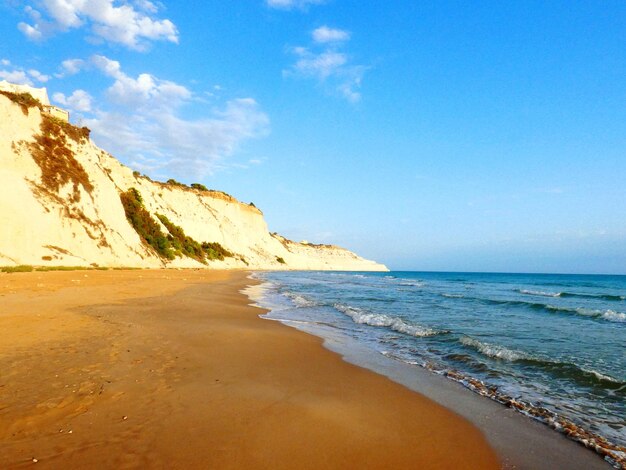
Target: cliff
x,y
65,202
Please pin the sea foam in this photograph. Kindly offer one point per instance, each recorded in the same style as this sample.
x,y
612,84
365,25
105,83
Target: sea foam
x,y
301,301
539,293
494,350
376,319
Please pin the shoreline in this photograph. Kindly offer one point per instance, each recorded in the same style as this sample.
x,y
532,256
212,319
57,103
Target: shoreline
x,y
521,441
174,369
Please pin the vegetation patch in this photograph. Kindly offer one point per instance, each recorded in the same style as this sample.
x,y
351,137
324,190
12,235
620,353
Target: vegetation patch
x,y
77,134
28,268
280,260
56,159
181,243
70,268
146,227
176,242
23,268
23,100
187,246
173,182
199,187
216,251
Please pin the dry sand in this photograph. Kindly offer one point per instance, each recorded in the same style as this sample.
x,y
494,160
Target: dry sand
x,y
172,369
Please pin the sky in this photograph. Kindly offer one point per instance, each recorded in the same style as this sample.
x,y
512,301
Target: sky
x,y
432,135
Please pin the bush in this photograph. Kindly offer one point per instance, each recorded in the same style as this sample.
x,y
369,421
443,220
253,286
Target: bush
x,y
280,260
146,227
56,159
23,100
199,186
181,243
173,182
216,251
136,174
176,242
77,134
16,269
187,246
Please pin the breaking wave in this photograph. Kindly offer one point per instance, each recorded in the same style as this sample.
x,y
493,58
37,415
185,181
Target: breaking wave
x,y
610,297
412,283
606,315
493,350
302,302
376,319
453,296
566,370
539,293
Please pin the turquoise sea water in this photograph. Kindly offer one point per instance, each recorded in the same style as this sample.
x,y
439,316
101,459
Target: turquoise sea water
x,y
555,343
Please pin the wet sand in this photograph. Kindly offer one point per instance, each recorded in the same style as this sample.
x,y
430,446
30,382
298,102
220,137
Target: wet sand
x,y
172,369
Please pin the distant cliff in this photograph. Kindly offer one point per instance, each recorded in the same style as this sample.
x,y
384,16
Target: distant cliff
x,y
65,202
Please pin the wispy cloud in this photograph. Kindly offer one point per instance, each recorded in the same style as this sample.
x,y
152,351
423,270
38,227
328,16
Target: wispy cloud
x,y
130,23
292,4
141,119
552,190
15,74
324,34
328,64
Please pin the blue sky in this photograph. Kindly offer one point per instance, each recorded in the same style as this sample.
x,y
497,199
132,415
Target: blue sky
x,y
427,135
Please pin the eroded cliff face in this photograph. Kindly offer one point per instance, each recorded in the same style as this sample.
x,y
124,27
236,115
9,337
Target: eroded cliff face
x,y
60,206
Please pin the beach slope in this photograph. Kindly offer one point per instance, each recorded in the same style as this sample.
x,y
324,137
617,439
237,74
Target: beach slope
x,y
172,369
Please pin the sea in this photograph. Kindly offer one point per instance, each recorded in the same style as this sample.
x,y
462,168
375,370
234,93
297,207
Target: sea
x,y
551,346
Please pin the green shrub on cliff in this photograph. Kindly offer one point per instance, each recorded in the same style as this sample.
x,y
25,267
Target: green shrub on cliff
x,y
214,250
143,223
199,186
181,243
185,245
176,242
173,182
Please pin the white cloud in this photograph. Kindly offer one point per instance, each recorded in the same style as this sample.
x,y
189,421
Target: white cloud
x,y
324,34
321,65
142,123
128,23
291,4
16,76
147,6
19,75
111,68
79,100
330,67
70,67
37,75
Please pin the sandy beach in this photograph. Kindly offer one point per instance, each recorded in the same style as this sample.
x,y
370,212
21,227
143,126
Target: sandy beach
x,y
172,369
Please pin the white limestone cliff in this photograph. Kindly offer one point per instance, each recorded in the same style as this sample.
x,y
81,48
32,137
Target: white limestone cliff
x,y
65,210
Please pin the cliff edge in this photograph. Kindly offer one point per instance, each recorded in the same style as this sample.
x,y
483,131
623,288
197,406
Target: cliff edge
x,y
65,202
